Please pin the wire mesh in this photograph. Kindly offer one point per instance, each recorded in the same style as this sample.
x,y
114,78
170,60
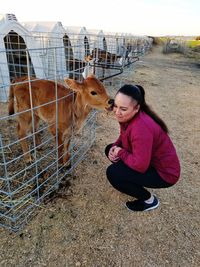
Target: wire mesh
x,y
24,186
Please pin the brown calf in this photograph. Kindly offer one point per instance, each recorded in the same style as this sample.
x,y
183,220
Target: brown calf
x,y
72,108
102,56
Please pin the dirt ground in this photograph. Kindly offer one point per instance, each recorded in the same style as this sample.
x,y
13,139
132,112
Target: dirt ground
x,y
90,226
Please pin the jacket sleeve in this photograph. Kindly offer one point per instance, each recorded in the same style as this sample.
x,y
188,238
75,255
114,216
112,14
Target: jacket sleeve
x,y
139,158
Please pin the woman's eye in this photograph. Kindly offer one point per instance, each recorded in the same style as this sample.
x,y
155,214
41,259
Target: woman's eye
x,y
93,93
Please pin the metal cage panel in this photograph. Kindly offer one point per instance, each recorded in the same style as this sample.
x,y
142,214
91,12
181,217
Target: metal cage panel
x,y
54,55
23,187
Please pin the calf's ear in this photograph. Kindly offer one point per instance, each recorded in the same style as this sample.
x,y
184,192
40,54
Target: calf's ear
x,y
91,75
74,85
88,58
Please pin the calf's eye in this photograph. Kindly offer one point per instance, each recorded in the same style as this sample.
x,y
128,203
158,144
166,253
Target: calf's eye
x,y
93,93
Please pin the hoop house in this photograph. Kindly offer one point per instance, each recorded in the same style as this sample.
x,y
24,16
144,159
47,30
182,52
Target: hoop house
x,y
18,56
80,41
54,44
98,39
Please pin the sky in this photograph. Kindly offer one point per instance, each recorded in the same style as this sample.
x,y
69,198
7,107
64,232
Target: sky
x,y
138,17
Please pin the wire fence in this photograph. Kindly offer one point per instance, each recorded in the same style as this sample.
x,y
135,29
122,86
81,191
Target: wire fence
x,y
23,186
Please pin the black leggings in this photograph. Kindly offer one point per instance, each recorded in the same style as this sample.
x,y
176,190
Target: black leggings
x,y
131,182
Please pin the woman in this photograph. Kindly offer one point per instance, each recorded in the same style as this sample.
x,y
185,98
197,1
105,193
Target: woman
x,y
143,156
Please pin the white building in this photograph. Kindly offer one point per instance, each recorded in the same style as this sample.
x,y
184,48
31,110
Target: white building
x,y
18,54
80,41
51,39
98,39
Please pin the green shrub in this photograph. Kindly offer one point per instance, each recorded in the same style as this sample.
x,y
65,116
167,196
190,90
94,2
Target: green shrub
x,y
193,43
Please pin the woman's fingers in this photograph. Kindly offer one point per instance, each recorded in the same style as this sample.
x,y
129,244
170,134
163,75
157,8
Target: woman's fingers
x,y
112,155
113,158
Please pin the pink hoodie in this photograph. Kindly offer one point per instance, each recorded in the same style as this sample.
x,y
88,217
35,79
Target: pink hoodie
x,y
145,144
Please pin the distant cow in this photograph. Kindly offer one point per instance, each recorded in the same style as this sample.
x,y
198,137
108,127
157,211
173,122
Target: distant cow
x,y
75,68
72,108
102,60
103,56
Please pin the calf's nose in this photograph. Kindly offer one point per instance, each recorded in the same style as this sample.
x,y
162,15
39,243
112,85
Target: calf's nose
x,y
111,101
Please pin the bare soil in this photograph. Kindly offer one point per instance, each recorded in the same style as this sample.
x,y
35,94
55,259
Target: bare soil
x,y
88,224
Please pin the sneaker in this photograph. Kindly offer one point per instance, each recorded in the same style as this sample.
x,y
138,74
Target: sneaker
x,y
139,205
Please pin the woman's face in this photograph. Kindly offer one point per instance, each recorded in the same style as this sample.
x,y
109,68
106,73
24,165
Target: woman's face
x,y
125,108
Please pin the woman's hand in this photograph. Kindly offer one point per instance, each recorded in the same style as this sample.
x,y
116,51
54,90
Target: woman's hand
x,y
112,155
116,150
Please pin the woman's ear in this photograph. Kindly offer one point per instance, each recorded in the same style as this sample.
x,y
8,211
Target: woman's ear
x,y
137,108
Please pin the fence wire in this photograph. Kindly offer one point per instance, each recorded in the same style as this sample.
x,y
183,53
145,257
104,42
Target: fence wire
x,y
23,187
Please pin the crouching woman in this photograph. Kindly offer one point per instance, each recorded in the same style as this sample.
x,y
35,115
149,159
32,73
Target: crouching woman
x,y
143,156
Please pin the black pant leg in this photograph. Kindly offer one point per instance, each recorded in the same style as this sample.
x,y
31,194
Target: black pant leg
x,y
131,182
118,179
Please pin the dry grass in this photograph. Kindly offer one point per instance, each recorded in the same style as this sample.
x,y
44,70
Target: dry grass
x,y
90,226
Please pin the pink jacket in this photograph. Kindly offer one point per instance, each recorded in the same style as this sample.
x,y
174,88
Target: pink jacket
x,y
145,144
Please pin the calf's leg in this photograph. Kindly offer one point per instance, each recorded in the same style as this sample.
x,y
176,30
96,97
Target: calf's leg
x,y
23,127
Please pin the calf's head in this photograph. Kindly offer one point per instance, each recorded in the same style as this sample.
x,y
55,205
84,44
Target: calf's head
x,y
92,92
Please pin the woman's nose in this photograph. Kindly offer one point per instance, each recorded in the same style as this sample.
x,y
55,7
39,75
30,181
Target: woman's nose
x,y
117,111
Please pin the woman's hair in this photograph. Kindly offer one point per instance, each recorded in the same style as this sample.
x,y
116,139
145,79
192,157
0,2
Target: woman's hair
x,y
137,92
